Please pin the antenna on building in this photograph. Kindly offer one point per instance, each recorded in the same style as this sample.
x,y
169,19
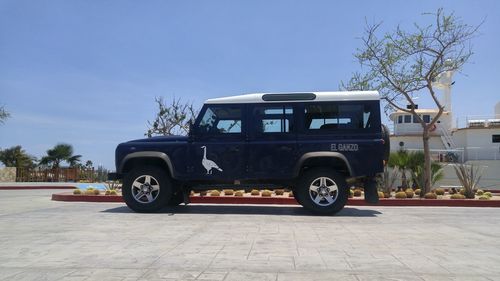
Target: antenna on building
x,y
444,81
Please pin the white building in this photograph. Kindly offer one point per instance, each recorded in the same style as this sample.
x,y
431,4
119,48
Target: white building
x,y
478,142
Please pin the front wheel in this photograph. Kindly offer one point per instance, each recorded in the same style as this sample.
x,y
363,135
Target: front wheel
x,y
322,191
146,189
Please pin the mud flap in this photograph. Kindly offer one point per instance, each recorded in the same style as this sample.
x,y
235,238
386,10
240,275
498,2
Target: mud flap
x,y
185,195
371,192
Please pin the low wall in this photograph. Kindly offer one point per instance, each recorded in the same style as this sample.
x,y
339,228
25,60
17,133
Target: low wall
x,y
8,174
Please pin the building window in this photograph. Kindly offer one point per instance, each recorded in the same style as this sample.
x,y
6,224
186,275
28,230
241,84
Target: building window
x,y
407,118
400,119
415,119
495,138
427,118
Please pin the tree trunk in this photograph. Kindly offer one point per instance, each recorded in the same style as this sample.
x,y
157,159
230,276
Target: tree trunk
x,y
427,164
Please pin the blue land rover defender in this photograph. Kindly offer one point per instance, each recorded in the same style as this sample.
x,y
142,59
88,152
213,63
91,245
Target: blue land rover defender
x,y
311,143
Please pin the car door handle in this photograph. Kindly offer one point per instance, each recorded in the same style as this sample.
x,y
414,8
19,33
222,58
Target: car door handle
x,y
234,149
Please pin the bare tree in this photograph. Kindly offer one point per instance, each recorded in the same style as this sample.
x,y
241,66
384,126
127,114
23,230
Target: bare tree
x,y
403,64
172,119
3,114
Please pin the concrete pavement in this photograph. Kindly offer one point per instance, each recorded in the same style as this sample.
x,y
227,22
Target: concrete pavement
x,y
46,240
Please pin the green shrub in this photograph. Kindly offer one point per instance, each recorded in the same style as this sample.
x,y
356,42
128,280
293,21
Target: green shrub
x,y
351,193
479,192
484,197
401,195
77,192
107,192
409,193
255,192
462,191
417,191
430,195
452,191
381,194
89,192
228,192
113,192
487,193
358,192
457,196
266,193
279,191
203,193
439,191
290,194
238,193
215,193
96,191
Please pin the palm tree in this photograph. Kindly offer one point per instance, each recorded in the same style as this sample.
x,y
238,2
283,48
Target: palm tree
x,y
401,161
59,153
16,157
416,167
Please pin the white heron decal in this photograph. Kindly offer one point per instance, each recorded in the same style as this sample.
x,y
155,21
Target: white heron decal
x,y
208,164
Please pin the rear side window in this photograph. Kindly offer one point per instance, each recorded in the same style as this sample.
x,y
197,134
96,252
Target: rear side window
x,y
333,116
273,119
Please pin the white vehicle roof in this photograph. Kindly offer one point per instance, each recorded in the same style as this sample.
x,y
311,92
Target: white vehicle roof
x,y
297,97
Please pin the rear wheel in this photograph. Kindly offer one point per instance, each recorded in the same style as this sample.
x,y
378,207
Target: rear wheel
x,y
322,191
146,189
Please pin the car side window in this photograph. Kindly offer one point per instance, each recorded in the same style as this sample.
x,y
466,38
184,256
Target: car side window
x,y
273,119
336,116
220,120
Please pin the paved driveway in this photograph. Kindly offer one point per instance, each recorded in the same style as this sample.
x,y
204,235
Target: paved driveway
x,y
45,240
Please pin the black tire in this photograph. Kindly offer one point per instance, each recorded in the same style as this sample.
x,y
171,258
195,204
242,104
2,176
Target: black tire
x,y
387,142
159,189
331,195
177,199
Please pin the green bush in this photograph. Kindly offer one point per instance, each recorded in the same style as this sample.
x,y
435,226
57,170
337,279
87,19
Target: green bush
x,y
409,193
238,193
462,191
487,193
266,193
113,192
89,192
430,195
97,191
484,197
457,196
215,193
203,193
358,192
417,191
290,194
228,192
381,194
351,193
439,191
77,192
255,192
107,192
279,191
401,195
479,192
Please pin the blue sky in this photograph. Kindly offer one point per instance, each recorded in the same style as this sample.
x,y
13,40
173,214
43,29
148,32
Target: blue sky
x,y
87,72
